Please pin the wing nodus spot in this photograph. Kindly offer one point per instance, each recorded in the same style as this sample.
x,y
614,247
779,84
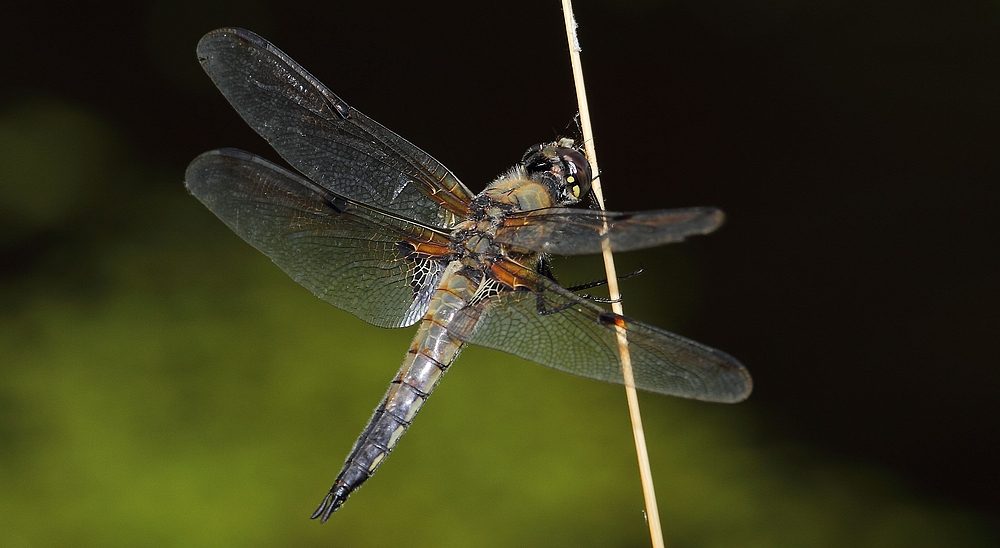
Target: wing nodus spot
x,y
342,108
337,203
610,318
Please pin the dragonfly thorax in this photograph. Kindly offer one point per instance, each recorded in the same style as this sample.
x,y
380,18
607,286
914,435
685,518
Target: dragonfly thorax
x,y
548,175
472,239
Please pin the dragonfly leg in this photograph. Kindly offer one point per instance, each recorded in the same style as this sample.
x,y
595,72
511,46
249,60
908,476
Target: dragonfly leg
x,y
543,308
603,282
601,300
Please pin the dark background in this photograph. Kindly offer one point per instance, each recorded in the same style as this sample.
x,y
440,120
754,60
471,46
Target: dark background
x,y
853,146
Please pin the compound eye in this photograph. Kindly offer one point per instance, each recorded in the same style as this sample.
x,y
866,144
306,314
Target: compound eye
x,y
578,172
532,150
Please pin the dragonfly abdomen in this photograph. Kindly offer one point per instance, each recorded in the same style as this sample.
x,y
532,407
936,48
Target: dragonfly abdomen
x,y
433,350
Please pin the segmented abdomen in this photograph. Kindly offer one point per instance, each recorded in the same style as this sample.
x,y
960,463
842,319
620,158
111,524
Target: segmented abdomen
x,y
432,351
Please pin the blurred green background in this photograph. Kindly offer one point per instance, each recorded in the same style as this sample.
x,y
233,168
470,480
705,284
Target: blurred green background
x,y
163,384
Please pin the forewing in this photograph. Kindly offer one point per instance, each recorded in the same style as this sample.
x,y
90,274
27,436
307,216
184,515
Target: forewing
x,y
565,231
556,328
320,135
355,257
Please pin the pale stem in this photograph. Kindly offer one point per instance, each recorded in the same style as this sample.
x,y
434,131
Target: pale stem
x,y
645,474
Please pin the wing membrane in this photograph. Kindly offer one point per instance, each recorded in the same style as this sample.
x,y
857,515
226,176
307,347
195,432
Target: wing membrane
x,y
577,336
353,256
565,231
320,135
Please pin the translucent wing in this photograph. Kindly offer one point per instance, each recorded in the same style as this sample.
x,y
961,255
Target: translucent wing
x,y
564,231
372,264
320,135
556,328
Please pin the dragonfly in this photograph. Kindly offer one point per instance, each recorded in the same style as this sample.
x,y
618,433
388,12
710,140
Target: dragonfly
x,y
379,228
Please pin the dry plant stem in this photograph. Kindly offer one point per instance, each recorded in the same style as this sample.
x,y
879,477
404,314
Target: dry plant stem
x,y
646,476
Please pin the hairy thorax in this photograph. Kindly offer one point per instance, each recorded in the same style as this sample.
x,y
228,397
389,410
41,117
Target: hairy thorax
x,y
472,239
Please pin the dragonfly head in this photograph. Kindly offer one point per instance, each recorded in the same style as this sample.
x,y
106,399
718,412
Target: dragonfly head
x,y
562,168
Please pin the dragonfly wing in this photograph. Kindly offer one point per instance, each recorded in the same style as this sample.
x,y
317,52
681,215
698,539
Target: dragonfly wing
x,y
375,265
565,231
556,328
323,137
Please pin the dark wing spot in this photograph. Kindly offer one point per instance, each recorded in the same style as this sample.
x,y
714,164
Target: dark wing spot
x,y
337,203
405,248
610,318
